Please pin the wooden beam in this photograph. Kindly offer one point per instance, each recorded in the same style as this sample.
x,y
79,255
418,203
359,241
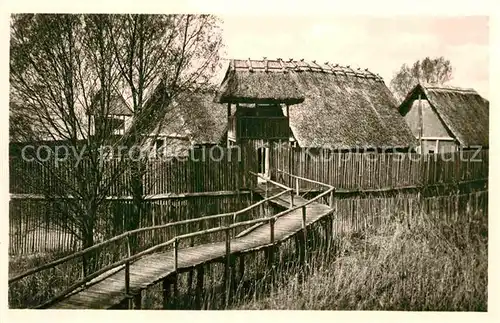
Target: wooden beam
x,y
439,138
128,198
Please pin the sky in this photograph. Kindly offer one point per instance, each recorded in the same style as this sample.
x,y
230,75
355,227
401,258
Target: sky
x,y
381,44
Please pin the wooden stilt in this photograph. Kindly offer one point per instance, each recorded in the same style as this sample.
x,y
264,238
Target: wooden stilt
x,y
227,273
199,285
190,282
242,267
232,279
138,301
176,289
166,293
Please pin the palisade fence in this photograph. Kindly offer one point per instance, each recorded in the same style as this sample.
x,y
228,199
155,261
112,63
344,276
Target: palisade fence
x,y
210,181
376,171
204,170
193,187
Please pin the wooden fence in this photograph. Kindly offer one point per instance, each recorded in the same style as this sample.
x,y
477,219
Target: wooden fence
x,y
365,171
32,226
34,229
207,169
355,214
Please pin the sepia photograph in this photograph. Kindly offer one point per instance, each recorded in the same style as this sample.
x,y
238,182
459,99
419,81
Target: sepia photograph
x,y
248,162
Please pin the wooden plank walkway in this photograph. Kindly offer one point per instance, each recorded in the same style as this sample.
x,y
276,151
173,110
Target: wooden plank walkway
x,y
108,289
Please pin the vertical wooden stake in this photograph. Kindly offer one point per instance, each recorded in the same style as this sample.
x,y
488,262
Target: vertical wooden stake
x,y
138,300
176,251
331,198
176,264
291,199
166,292
227,268
304,230
270,259
242,267
127,284
297,189
199,285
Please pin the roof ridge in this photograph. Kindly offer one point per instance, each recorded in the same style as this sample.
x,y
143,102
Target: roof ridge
x,y
450,88
301,65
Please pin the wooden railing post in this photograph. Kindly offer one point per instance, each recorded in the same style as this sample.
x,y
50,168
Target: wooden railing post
x,y
297,189
128,245
291,198
331,198
267,190
176,251
304,219
272,220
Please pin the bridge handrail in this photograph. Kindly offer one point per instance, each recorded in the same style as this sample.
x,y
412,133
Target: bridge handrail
x,y
175,241
136,231
304,179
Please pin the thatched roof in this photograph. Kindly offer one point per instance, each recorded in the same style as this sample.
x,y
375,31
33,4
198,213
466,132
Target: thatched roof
x,y
463,111
258,82
344,108
197,118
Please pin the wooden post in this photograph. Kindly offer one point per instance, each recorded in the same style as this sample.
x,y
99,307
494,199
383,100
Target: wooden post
x,y
297,188
291,199
271,233
242,267
267,189
232,286
227,268
304,231
166,292
127,284
331,198
138,300
270,254
176,264
199,285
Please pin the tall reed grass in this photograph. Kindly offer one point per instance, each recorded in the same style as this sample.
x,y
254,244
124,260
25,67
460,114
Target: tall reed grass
x,y
428,266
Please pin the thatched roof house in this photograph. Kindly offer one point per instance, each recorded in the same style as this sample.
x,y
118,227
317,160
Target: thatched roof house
x,y
457,113
336,107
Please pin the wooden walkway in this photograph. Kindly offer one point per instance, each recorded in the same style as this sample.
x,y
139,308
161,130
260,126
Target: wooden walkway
x,y
108,290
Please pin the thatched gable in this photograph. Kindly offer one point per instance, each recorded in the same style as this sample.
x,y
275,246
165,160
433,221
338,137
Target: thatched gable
x,y
343,107
463,111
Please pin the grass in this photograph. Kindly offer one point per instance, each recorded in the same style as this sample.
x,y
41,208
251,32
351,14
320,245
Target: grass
x,y
428,266
418,265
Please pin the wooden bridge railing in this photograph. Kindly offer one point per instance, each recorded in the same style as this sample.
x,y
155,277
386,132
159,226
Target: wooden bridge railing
x,y
174,242
297,185
121,244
